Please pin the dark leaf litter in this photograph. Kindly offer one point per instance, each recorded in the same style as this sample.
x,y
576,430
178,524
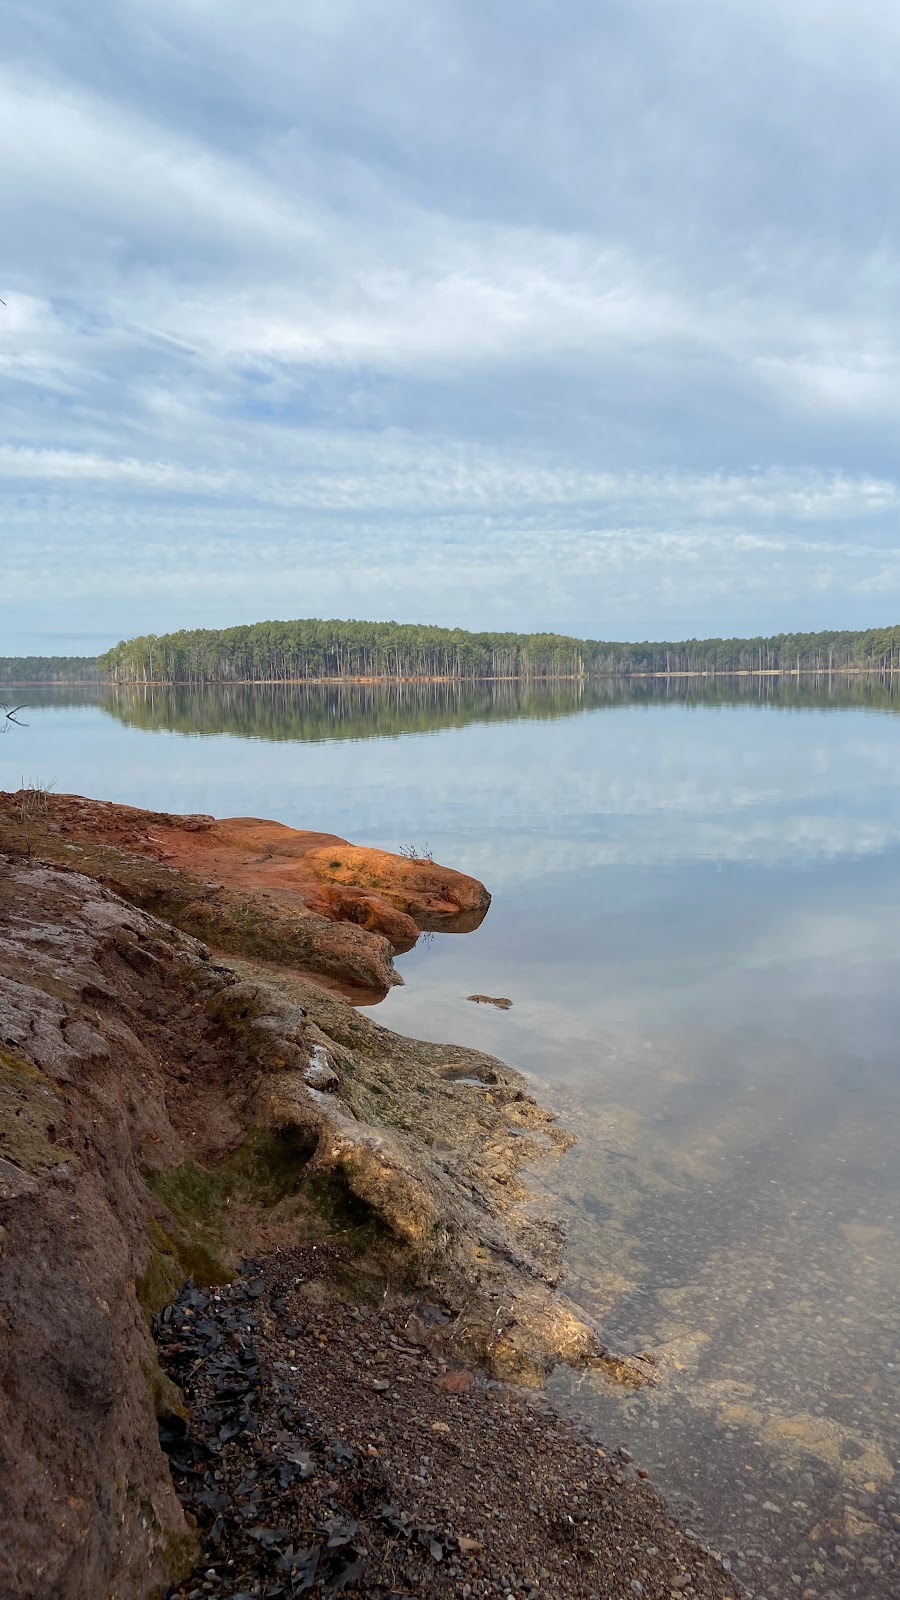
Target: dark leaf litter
x,y
323,1457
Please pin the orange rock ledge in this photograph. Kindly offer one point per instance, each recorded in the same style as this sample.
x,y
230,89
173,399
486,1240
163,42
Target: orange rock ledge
x,y
252,886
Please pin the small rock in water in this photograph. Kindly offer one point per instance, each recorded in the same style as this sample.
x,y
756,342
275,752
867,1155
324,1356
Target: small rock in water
x,y
498,1000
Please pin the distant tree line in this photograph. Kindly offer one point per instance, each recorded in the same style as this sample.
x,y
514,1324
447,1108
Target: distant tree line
x,y
829,651
266,652
50,669
311,649
308,649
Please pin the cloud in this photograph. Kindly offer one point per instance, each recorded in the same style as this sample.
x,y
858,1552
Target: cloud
x,y
461,294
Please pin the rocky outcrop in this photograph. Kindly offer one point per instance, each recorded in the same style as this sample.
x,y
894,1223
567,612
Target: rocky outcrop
x,y
87,1507
165,1114
308,901
320,867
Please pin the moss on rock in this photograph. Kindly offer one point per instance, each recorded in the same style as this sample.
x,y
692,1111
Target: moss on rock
x,y
31,1111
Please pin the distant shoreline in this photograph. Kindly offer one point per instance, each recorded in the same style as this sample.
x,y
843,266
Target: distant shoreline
x,y
543,678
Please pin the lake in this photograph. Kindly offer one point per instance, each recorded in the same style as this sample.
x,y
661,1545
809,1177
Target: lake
x,y
696,906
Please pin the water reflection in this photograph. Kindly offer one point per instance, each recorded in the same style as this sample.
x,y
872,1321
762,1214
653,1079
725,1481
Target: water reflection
x,y
695,907
753,1248
313,712
732,1206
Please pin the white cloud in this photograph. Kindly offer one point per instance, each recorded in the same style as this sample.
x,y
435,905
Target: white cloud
x,y
364,284
41,465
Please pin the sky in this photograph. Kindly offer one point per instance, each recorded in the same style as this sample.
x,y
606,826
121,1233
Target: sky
x,y
488,313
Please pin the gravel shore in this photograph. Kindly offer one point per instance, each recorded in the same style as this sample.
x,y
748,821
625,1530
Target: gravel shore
x,y
329,1447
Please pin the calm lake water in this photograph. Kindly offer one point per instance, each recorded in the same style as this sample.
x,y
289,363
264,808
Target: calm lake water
x,y
695,915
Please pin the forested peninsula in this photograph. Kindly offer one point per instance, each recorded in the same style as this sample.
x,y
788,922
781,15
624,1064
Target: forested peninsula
x,y
311,649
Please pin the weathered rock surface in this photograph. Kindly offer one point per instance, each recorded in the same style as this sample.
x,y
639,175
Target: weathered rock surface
x,y
322,867
85,1505
309,901
161,1115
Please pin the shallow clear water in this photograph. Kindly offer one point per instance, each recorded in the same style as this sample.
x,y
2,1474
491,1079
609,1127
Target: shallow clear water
x,y
696,918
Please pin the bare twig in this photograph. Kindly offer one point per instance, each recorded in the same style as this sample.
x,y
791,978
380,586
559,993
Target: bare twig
x,y
413,854
34,803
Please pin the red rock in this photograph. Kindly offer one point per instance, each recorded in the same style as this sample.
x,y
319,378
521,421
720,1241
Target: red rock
x,y
384,893
457,1382
310,902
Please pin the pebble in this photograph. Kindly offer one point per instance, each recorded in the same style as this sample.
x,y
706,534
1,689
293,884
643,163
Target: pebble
x,y
531,1486
457,1382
